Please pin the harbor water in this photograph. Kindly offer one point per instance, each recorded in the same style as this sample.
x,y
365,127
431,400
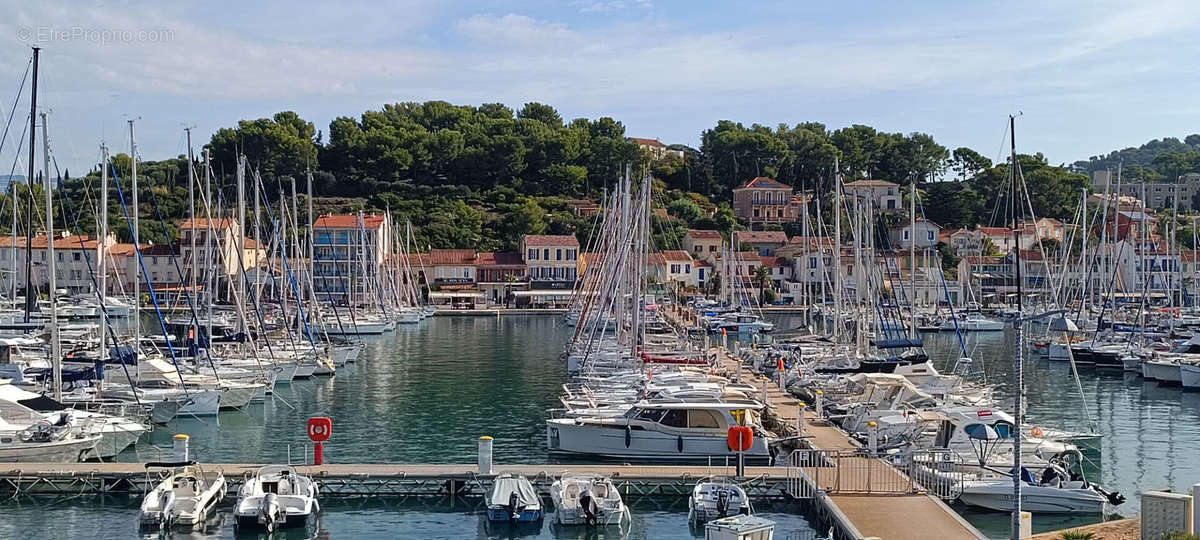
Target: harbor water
x,y
425,393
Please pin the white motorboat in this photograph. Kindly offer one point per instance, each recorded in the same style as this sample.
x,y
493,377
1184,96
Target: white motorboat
x,y
1056,497
409,316
585,499
1189,375
45,442
716,499
1164,370
117,433
513,499
740,323
185,498
276,497
666,431
1132,364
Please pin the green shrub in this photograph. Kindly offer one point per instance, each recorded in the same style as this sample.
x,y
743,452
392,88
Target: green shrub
x,y
1077,535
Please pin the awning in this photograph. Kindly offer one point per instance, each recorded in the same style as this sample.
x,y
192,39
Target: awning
x,y
566,293
456,294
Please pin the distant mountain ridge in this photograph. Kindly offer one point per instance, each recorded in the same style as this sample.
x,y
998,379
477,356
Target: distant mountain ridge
x,y
1156,160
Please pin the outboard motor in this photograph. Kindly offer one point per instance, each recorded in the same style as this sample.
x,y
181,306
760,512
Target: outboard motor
x,y
589,507
722,502
166,509
1114,498
270,512
514,506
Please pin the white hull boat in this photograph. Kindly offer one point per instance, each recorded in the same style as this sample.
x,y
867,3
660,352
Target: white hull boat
x,y
185,499
1164,371
276,497
587,500
1189,375
717,499
997,495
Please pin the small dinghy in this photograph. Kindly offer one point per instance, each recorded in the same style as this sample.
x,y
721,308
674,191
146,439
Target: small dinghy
x,y
717,498
186,498
513,499
584,499
276,497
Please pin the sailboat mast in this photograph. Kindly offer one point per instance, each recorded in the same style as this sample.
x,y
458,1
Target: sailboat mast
x,y
102,256
837,250
1018,340
192,281
912,256
30,296
241,231
52,266
137,268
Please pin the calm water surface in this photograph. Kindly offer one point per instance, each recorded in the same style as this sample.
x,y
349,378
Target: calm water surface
x,y
423,394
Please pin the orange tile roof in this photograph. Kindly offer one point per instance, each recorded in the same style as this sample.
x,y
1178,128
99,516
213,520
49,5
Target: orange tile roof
x,y
775,262
763,182
704,234
348,221
564,240
491,258
676,255
450,257
648,142
756,237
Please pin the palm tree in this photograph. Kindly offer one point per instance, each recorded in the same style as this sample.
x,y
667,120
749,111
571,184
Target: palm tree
x,y
509,280
762,276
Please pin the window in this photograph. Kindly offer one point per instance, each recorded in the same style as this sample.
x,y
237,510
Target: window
x,y
906,234
677,418
76,256
546,254
812,263
687,269
572,255
651,415
558,254
703,419
755,212
532,255
780,212
674,268
712,249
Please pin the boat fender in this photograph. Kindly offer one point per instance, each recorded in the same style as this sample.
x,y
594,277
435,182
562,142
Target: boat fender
x,y
628,436
679,443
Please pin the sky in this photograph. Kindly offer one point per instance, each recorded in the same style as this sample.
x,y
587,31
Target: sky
x,y
1087,77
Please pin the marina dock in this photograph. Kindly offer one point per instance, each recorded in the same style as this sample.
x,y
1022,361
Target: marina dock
x,y
861,496
355,480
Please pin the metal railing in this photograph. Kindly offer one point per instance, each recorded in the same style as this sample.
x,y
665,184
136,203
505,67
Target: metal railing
x,y
856,471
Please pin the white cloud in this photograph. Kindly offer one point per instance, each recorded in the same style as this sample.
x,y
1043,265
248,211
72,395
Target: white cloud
x,y
362,55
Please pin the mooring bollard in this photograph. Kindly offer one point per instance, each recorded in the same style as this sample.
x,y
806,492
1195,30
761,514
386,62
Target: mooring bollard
x,y
820,405
181,447
873,438
764,390
800,420
485,455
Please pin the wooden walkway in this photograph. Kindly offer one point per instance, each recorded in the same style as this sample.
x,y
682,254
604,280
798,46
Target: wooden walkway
x,y
873,510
